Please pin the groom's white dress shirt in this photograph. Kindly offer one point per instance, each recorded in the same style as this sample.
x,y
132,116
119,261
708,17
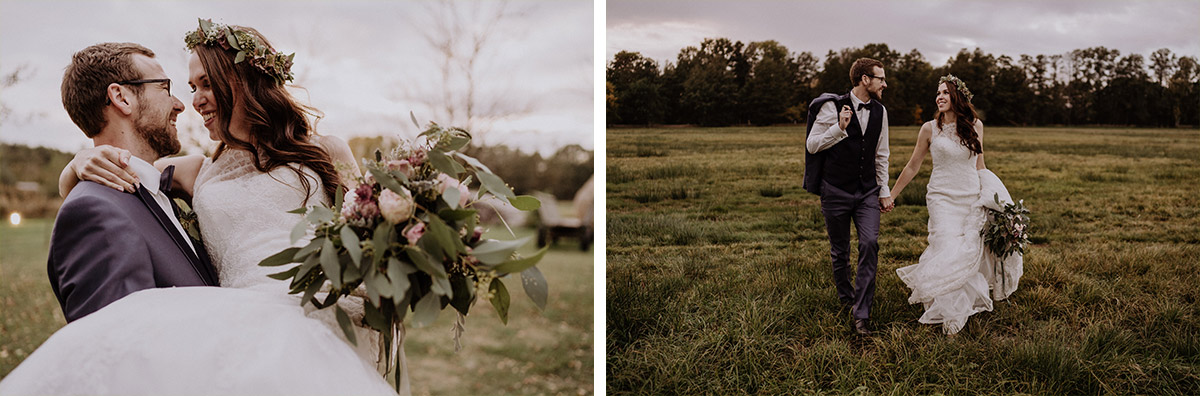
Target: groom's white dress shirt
x,y
826,132
150,180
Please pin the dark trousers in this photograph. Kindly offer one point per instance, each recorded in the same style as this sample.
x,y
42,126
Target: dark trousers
x,y
862,207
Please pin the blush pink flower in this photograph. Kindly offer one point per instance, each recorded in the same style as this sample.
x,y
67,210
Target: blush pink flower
x,y
414,232
403,166
445,181
396,208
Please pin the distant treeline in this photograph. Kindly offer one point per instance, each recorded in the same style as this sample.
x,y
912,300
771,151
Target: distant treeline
x,y
722,82
29,180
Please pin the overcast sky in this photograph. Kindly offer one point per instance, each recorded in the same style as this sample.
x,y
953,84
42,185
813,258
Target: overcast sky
x,y
365,64
938,29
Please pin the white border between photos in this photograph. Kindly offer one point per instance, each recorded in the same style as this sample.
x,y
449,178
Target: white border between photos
x,y
599,270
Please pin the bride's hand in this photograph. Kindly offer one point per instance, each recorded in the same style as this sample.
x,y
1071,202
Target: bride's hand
x,y
887,204
105,165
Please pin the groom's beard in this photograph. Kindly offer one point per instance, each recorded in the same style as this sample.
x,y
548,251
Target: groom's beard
x,y
878,96
155,129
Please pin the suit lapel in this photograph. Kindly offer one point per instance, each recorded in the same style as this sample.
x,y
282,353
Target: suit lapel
x,y
169,227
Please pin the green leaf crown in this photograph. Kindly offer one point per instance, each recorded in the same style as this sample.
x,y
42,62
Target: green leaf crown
x,y
962,86
270,62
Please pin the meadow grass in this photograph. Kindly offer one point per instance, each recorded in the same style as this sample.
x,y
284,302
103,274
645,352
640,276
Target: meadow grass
x,y
547,352
729,289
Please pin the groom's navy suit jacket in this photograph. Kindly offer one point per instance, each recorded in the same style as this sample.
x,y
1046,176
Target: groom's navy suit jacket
x,y
107,244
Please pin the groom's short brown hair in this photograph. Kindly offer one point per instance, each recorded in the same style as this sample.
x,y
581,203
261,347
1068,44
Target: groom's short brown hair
x,y
862,67
85,81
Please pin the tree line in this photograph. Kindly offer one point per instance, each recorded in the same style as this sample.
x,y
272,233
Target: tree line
x,y
723,82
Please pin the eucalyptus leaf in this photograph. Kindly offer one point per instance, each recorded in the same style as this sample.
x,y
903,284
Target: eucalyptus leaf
x,y
520,265
494,184
451,196
310,248
461,286
380,240
338,198
312,289
232,40
500,299
309,263
387,180
205,25
447,238
347,327
241,56
350,272
426,263
376,319
525,202
444,164
535,286
473,162
426,311
442,287
493,252
301,210
320,214
375,280
456,215
352,244
329,263
281,258
414,119
299,230
285,275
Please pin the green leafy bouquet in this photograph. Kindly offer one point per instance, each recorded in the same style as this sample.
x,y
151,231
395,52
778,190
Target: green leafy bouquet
x,y
1007,230
407,237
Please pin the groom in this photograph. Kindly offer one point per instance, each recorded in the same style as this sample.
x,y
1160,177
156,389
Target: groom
x,y
107,243
846,163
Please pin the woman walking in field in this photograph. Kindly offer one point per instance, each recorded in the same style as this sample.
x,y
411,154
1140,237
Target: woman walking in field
x,y
954,274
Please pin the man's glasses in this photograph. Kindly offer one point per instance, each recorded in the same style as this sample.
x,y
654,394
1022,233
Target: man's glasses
x,y
151,81
880,78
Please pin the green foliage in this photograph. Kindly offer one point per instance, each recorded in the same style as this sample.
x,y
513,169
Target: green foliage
x,y
730,293
40,165
722,82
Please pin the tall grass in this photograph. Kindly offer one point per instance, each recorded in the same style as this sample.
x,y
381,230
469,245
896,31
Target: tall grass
x,y
729,292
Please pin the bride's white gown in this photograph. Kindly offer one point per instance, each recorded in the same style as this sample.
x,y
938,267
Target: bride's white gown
x,y
954,274
248,337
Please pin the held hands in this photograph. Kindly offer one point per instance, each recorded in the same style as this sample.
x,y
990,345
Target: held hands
x,y
886,204
844,117
105,165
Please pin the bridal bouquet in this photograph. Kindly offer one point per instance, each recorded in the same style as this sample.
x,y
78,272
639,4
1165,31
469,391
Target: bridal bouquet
x,y
408,236
1007,230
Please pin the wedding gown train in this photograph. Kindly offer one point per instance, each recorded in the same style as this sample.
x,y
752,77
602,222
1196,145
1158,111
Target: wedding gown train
x,y
247,337
955,273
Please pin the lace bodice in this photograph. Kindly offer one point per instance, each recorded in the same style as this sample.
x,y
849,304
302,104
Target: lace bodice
x,y
954,173
243,216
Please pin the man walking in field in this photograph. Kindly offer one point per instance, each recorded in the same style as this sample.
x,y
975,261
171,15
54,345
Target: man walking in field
x,y
846,163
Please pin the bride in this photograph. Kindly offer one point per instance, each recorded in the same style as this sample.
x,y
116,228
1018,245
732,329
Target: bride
x,y
248,336
954,274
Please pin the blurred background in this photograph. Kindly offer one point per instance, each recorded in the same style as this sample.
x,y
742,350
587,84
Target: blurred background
x,y
517,74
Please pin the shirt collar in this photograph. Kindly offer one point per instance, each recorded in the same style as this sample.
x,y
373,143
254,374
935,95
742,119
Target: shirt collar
x,y
855,102
148,174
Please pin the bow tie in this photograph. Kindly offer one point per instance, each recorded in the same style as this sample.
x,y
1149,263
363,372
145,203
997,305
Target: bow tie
x,y
164,181
864,105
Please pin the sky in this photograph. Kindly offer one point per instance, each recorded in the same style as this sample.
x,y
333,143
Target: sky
x,y
365,64
936,28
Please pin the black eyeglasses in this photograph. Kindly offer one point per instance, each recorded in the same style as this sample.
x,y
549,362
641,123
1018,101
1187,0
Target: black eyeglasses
x,y
880,78
149,81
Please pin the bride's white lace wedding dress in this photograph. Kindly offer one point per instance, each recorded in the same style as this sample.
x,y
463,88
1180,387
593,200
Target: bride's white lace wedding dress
x,y
248,337
955,273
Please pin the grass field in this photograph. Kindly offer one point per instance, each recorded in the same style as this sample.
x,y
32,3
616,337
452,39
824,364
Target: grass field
x,y
719,282
536,353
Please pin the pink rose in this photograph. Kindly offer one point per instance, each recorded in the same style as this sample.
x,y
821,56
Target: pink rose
x,y
358,207
414,232
464,194
396,208
403,166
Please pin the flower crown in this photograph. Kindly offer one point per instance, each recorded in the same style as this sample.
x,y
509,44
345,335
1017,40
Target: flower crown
x,y
962,86
270,62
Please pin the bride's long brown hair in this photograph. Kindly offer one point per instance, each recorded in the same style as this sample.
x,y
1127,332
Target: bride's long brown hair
x,y
964,116
280,132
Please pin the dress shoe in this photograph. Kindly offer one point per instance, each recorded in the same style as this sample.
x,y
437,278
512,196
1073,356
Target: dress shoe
x,y
862,327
